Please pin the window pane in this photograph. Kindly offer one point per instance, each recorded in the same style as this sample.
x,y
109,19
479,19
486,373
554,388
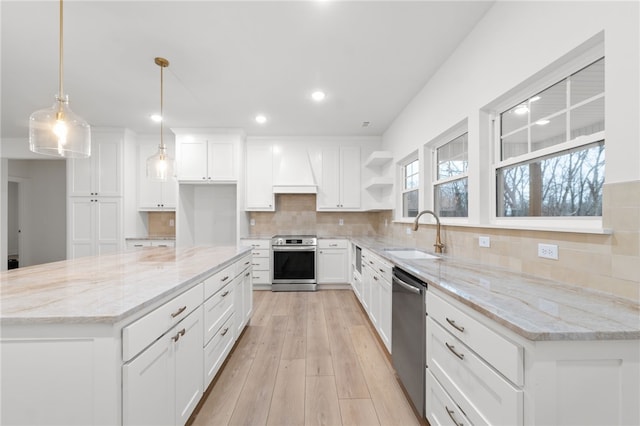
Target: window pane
x,y
549,132
565,184
587,82
514,118
452,157
515,145
451,199
548,101
411,175
410,204
587,119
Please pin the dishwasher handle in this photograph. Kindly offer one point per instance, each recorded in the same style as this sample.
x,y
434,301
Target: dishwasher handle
x,y
406,286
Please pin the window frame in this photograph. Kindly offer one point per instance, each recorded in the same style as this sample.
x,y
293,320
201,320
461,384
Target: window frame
x,y
402,166
447,138
589,223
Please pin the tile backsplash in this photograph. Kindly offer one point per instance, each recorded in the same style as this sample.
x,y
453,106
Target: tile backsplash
x,y
609,263
162,224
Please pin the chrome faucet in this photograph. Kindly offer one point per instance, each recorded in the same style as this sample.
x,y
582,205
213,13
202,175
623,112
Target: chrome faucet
x,y
438,245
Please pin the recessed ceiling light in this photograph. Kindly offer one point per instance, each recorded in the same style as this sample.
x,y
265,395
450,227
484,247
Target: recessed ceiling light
x,y
318,95
366,123
156,117
261,119
542,122
535,98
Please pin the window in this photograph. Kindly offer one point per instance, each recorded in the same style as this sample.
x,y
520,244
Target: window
x,y
450,186
552,150
410,187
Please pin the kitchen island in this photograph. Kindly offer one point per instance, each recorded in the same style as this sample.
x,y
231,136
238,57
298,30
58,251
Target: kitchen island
x,y
80,338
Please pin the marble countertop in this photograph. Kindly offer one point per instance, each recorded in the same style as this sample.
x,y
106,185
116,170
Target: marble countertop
x,y
535,308
105,289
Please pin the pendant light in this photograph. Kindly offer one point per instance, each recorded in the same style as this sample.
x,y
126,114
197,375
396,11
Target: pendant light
x,y
57,130
160,165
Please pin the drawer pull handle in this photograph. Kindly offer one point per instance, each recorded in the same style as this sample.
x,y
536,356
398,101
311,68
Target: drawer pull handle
x,y
381,270
333,245
179,311
225,278
247,274
375,278
454,325
177,336
224,331
451,413
247,262
225,293
453,350
371,262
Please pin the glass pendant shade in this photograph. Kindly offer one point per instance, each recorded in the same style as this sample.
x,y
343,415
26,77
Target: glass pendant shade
x,y
160,166
59,132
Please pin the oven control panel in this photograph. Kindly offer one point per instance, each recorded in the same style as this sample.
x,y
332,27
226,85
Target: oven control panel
x,y
294,241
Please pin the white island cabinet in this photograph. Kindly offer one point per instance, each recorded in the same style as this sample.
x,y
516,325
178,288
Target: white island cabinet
x,y
125,339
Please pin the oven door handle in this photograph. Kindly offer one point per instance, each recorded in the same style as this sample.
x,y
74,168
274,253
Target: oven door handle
x,y
293,248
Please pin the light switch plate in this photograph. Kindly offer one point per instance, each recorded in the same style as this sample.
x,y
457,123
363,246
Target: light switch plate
x,y
252,222
340,221
484,241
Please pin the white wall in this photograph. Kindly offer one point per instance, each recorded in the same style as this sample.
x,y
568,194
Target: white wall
x,y
514,41
43,221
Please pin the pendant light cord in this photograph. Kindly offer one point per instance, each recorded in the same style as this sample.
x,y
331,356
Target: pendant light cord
x,y
161,106
61,69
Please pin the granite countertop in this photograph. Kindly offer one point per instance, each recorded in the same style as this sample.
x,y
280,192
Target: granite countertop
x,y
535,308
105,289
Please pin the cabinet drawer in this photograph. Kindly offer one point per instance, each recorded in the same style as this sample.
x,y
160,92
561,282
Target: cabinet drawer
x,y
163,243
217,309
257,244
260,253
243,264
141,333
260,263
136,244
216,351
441,410
332,244
504,355
466,377
382,268
218,280
261,277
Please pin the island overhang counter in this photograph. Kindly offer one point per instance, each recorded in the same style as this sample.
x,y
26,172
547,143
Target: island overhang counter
x,y
70,329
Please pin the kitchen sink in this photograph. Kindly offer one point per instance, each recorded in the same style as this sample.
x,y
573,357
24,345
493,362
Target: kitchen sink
x,y
410,254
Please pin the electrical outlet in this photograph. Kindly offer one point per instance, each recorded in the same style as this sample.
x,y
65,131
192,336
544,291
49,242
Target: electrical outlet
x,y
252,222
172,222
484,241
408,231
341,221
548,251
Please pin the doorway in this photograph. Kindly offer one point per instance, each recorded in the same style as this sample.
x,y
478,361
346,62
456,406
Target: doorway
x,y
13,224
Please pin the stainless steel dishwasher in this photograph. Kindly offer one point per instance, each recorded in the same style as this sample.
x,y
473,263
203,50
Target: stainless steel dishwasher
x,y
408,322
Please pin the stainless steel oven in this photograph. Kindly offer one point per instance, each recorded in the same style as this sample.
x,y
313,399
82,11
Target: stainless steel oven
x,y
293,263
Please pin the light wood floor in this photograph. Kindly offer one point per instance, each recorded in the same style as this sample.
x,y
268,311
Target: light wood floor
x,y
307,358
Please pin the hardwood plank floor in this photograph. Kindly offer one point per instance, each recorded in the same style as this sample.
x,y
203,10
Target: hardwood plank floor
x,y
307,358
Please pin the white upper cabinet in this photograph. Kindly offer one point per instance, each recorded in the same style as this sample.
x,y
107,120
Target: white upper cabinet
x,y
205,158
340,187
100,174
153,194
259,177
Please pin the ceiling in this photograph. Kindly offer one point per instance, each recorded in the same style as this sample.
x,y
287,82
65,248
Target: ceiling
x,y
229,61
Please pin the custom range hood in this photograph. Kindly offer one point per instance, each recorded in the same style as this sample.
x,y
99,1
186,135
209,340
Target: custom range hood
x,y
293,172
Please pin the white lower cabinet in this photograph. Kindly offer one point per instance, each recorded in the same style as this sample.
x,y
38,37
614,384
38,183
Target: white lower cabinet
x,y
376,294
163,384
261,260
333,261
